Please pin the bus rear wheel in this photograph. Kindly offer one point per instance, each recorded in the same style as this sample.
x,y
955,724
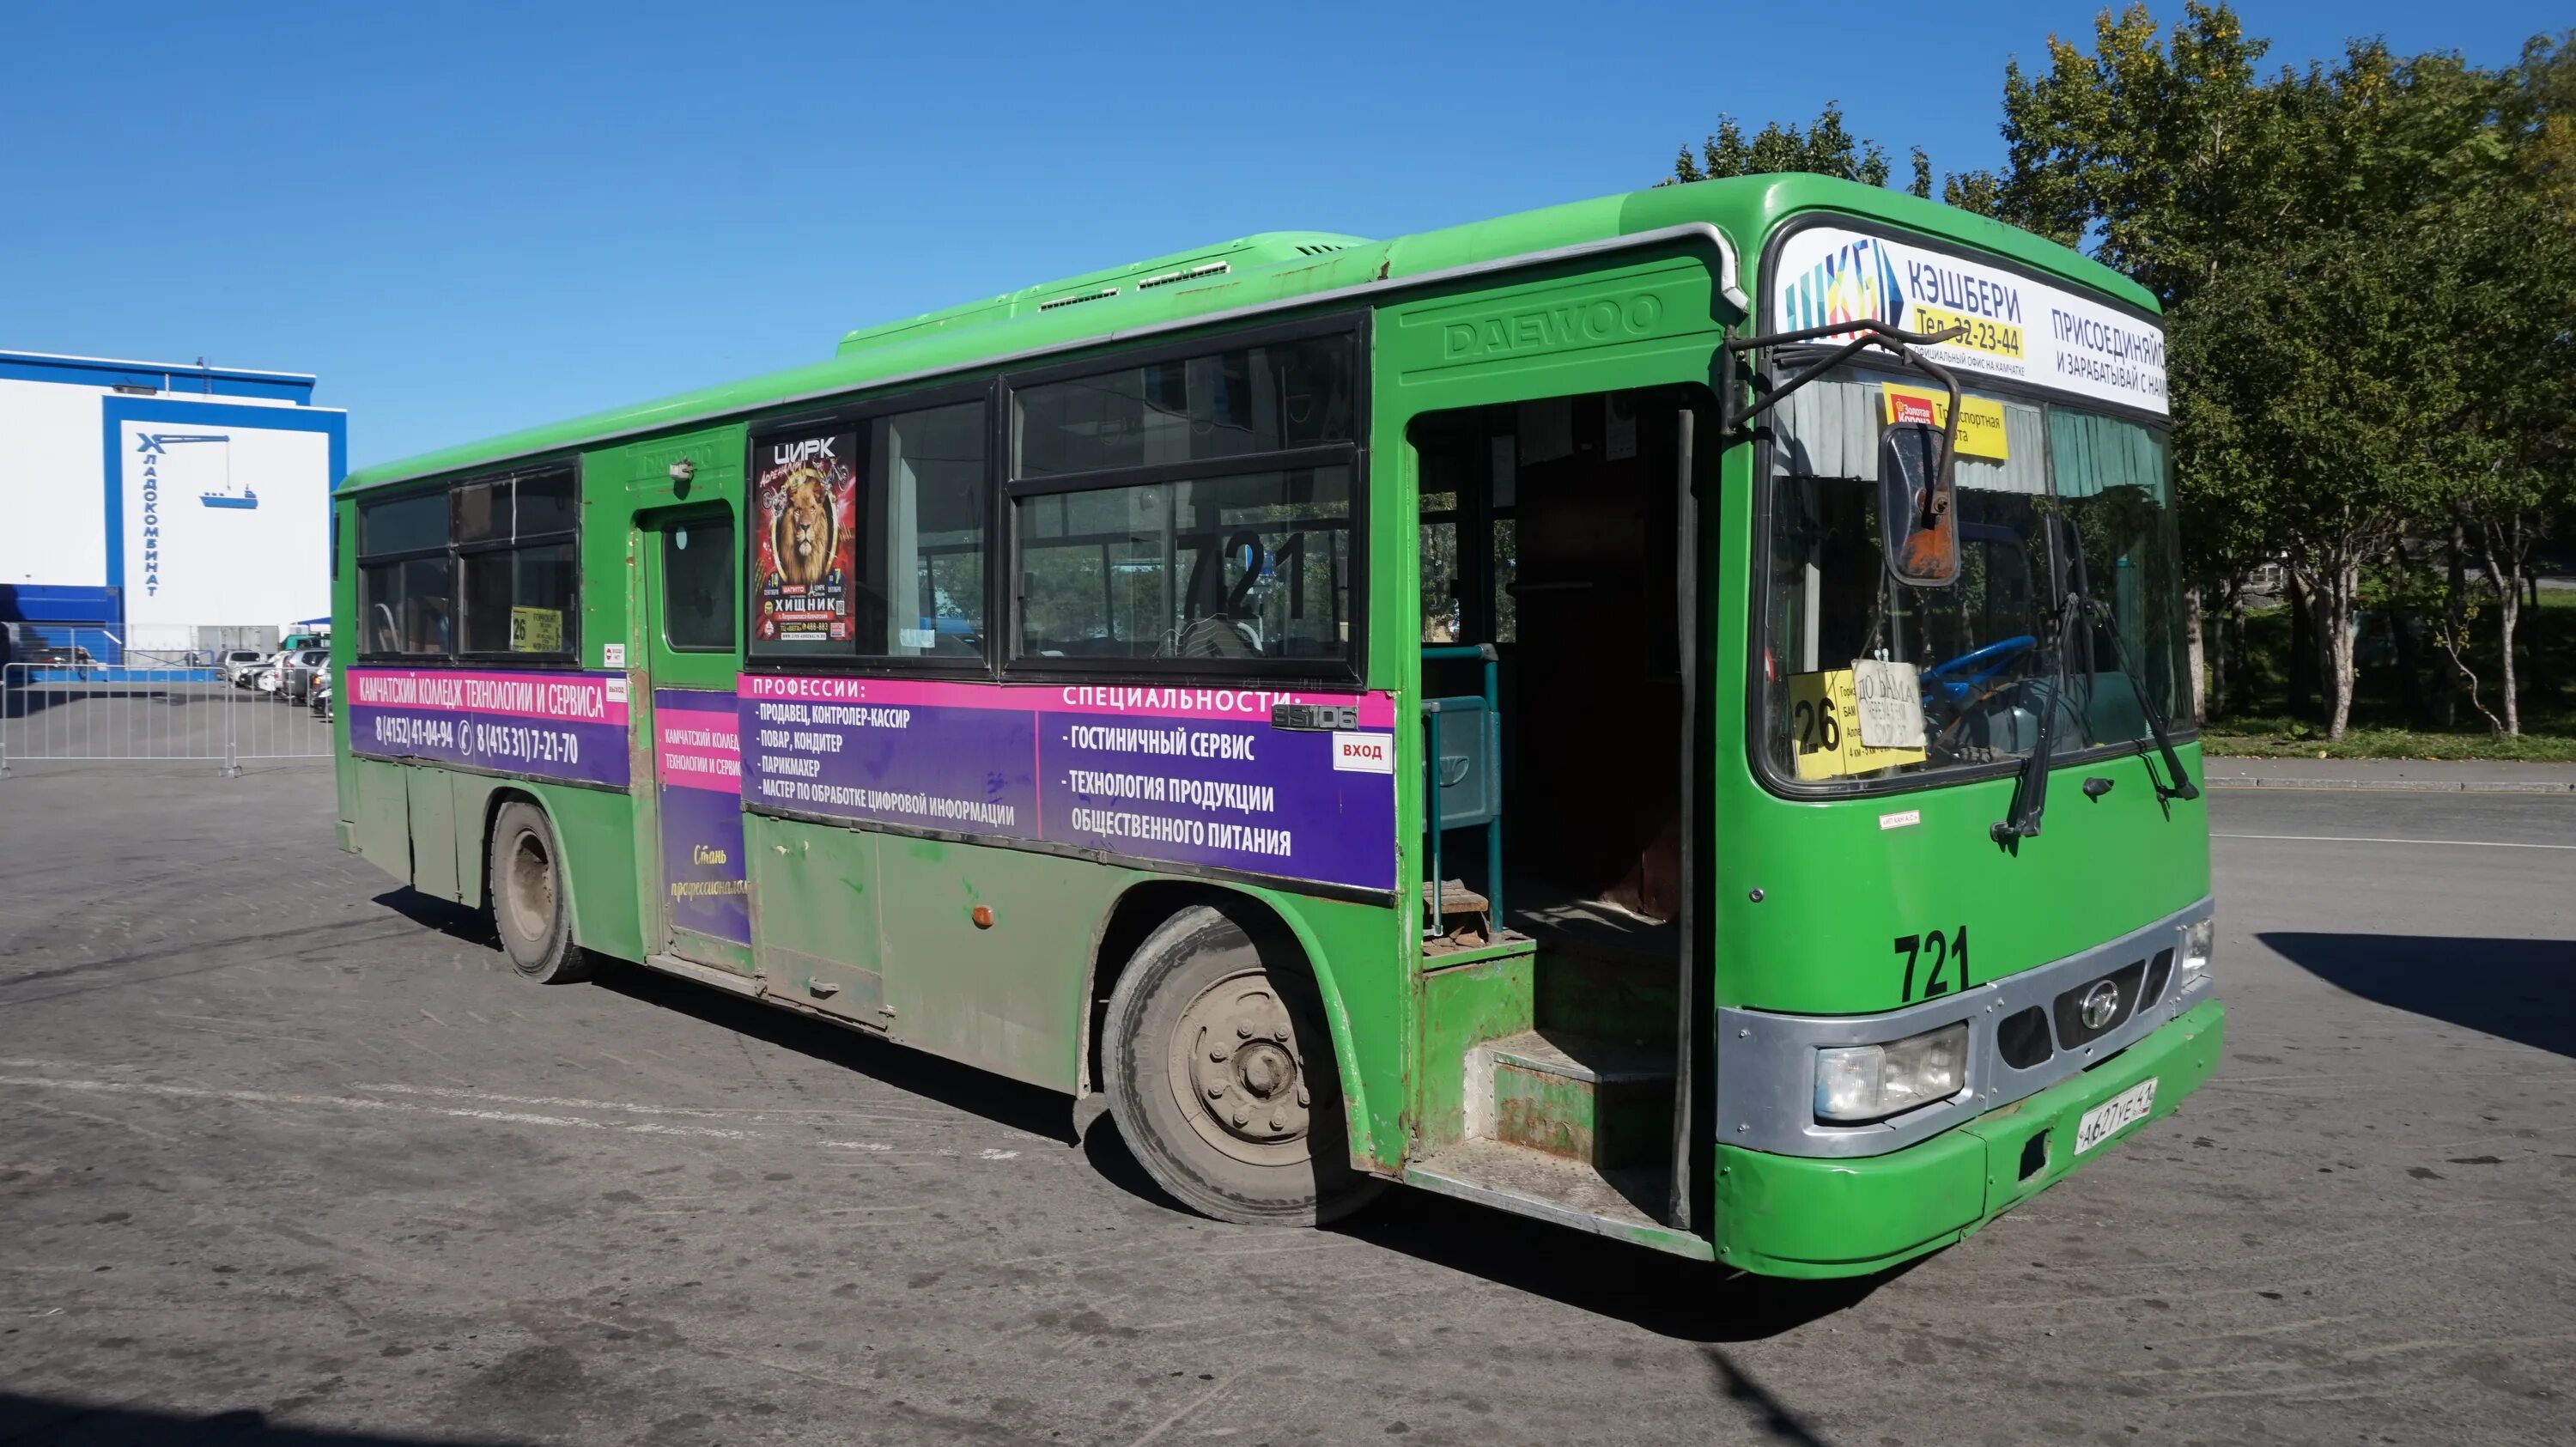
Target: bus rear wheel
x,y
1220,1074
529,908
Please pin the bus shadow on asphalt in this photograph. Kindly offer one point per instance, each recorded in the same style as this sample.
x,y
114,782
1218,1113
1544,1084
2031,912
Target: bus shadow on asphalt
x,y
456,921
1005,1102
2518,990
1029,1108
1683,1300
34,1421
1669,1296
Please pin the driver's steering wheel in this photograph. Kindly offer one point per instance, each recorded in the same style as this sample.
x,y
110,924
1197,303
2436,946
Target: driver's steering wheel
x,y
1958,677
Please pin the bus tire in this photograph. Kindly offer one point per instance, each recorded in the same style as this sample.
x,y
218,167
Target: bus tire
x,y
1220,1074
530,910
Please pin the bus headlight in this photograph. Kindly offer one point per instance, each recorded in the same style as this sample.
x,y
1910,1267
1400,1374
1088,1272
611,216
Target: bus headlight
x,y
2196,941
1867,1082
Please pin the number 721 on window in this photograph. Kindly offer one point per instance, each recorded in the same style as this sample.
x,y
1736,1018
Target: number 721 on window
x,y
1926,956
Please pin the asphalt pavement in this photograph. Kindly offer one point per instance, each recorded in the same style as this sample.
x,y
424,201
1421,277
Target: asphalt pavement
x,y
287,1155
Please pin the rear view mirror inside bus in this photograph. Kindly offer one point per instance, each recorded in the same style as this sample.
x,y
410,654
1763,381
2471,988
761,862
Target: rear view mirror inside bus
x,y
1919,533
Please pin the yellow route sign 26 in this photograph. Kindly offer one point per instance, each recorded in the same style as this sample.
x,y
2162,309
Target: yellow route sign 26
x,y
536,630
1825,728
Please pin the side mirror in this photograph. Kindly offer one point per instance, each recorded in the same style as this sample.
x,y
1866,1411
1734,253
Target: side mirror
x,y
1916,529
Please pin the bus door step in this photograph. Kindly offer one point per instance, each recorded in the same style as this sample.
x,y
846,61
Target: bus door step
x,y
1600,1102
1620,1204
1568,1128
1464,915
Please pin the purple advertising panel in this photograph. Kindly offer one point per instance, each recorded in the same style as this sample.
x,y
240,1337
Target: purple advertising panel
x,y
566,726
700,764
1185,775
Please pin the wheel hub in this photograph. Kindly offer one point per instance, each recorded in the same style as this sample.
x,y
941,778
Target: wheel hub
x,y
1248,1075
531,887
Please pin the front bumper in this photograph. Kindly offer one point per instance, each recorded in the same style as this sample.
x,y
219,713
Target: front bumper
x,y
1815,1217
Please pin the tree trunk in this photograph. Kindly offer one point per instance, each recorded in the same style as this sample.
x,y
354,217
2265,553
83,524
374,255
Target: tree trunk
x,y
2402,645
2199,661
2302,669
2506,547
2218,646
2236,647
2335,603
2510,613
2333,594
2455,622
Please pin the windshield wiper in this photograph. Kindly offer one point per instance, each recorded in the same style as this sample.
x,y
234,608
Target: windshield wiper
x,y
2182,787
2030,786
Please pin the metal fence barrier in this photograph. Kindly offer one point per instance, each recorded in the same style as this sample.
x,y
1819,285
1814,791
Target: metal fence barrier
x,y
148,709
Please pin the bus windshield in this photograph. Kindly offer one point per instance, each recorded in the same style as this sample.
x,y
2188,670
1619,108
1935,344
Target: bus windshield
x,y
1865,678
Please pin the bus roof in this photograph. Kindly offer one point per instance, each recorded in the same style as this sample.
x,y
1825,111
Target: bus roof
x,y
1269,268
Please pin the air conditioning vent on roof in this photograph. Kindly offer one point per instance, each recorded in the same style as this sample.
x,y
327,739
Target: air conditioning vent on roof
x,y
1213,268
1317,248
1104,294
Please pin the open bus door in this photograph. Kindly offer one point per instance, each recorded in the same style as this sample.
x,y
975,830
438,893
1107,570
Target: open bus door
x,y
1562,546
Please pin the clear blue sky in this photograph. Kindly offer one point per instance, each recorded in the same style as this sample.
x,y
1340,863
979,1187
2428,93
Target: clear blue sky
x,y
470,219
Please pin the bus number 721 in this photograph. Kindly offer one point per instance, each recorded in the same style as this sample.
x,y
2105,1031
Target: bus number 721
x,y
1945,951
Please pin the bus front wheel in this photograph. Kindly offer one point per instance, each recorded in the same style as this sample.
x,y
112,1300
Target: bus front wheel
x,y
529,908
1220,1074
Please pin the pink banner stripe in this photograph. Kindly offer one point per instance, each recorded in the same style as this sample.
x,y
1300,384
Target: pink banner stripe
x,y
575,697
1250,704
699,749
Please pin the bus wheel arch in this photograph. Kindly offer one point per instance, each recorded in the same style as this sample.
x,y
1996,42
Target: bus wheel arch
x,y
1164,955
528,889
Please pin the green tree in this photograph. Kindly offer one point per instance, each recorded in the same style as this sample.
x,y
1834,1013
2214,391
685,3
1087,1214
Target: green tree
x,y
2162,158
2368,275
2356,272
2543,117
1827,148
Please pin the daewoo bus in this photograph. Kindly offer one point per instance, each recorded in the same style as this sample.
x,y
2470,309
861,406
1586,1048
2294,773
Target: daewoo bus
x,y
1663,714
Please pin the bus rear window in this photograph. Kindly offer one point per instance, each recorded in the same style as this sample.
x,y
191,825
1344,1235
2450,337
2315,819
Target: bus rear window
x,y
485,568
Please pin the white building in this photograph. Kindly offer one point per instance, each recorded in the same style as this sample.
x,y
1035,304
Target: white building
x,y
162,506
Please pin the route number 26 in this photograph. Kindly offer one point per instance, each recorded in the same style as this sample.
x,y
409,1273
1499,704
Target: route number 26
x,y
1817,728
1933,952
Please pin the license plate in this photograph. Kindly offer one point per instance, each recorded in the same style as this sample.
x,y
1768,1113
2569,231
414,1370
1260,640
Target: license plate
x,y
2105,1120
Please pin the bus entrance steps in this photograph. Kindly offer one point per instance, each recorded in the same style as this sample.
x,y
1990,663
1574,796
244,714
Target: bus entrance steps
x,y
1568,1128
1584,1099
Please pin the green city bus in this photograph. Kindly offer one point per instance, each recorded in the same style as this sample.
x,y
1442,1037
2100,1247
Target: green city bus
x,y
1664,714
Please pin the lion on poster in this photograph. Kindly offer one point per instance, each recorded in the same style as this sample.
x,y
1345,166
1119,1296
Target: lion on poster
x,y
808,539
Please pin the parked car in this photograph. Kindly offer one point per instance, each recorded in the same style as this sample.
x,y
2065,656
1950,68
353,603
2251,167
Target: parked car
x,y
295,674
77,658
241,666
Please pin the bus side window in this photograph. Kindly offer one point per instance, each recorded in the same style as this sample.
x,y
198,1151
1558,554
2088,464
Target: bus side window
x,y
697,585
405,576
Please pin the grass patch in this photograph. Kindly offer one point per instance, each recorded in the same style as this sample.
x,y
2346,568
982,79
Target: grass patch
x,y
2288,738
2389,709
